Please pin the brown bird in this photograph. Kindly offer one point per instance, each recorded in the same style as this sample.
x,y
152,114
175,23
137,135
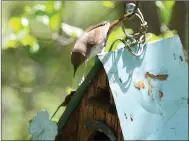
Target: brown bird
x,y
89,44
92,42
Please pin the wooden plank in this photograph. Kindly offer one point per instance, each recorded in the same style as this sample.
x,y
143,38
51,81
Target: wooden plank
x,y
74,129
70,132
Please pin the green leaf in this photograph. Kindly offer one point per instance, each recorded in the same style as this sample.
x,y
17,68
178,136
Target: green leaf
x,y
28,40
49,6
22,34
55,22
165,10
27,10
11,43
15,24
109,4
40,30
169,4
40,13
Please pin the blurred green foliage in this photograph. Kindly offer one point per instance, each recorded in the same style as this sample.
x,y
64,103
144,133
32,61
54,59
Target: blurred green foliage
x,y
36,68
165,8
23,29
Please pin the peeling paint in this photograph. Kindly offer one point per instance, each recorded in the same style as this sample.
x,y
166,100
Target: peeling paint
x,y
149,86
160,94
139,84
159,76
162,114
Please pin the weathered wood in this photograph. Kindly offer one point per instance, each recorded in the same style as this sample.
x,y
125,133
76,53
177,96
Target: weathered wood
x,y
70,132
75,129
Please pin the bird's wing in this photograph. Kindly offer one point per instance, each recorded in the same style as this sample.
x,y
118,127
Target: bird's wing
x,y
95,26
81,44
98,35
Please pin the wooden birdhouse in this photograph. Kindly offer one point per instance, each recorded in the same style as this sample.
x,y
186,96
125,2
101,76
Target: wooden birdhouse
x,y
95,118
129,97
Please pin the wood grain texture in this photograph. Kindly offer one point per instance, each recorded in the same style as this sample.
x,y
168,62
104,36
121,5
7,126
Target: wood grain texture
x,y
75,129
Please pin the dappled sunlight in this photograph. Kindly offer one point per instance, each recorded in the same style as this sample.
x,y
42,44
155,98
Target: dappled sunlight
x,y
71,30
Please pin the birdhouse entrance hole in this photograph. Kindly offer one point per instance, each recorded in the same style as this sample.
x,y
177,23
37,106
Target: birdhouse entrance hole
x,y
98,135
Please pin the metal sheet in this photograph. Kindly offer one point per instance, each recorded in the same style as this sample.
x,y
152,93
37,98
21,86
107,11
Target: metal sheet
x,y
150,116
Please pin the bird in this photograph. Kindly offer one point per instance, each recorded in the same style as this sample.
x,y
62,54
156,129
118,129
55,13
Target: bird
x,y
93,41
89,44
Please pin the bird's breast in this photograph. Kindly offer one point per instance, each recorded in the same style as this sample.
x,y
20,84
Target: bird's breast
x,y
94,50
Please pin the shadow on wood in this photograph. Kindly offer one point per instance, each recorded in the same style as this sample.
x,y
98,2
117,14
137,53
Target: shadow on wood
x,y
75,129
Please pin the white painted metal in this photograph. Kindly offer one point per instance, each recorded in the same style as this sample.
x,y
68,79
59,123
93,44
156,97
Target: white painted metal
x,y
143,116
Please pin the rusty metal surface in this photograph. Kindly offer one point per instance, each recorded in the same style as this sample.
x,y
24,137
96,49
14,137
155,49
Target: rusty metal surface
x,y
157,109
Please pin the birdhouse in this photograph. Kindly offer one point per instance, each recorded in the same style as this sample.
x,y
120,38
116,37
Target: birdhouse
x,y
95,118
125,97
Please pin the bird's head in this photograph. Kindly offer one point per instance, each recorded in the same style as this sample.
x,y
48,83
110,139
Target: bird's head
x,y
77,59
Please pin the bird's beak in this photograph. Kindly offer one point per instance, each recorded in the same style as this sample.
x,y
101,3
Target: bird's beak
x,y
75,69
